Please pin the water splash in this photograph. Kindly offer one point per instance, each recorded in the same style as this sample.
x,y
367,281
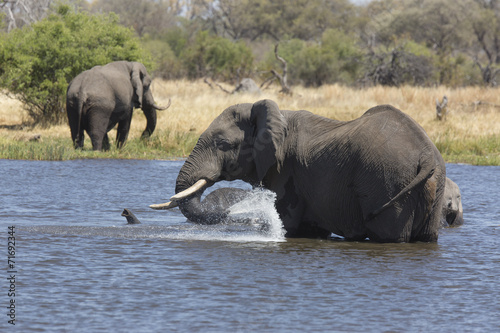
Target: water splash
x,y
259,211
253,219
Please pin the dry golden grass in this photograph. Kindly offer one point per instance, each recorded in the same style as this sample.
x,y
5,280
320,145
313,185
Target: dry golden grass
x,y
195,105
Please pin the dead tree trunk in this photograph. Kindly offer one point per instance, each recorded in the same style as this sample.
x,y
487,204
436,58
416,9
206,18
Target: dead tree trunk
x,y
285,89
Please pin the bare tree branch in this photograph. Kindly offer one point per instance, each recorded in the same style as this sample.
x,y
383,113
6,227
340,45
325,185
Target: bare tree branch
x,y
282,78
23,11
205,79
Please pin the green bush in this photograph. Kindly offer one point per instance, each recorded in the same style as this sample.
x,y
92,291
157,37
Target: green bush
x,y
37,62
335,59
217,57
166,64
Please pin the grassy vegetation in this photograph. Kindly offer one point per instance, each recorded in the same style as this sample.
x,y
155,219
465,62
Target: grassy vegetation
x,y
470,134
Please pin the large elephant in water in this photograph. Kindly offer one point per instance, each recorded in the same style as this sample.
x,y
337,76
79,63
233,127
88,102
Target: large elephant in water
x,y
378,176
453,213
103,96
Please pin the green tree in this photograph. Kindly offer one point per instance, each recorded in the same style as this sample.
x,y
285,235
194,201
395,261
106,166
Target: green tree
x,y
37,62
335,59
485,46
256,19
217,57
144,16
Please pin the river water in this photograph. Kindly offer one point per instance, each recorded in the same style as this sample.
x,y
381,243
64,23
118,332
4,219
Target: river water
x,y
79,267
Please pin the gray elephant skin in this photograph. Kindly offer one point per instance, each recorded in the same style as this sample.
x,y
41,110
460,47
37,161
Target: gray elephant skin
x,y
217,203
378,176
101,97
453,214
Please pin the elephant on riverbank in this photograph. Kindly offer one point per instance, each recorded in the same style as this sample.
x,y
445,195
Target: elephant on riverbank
x,y
453,214
378,176
103,96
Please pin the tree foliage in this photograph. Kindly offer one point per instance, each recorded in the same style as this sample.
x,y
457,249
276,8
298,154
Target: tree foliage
x,y
424,42
144,16
38,61
456,33
334,59
217,57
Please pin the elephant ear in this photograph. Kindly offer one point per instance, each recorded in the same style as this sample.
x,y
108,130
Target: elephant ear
x,y
270,131
137,75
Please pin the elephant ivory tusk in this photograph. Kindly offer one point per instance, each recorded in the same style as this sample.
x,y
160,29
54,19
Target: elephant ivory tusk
x,y
189,191
166,205
160,108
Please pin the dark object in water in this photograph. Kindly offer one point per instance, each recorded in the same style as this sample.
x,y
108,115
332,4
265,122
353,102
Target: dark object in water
x,y
131,219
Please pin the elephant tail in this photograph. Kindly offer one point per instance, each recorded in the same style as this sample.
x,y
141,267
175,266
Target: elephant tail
x,y
427,168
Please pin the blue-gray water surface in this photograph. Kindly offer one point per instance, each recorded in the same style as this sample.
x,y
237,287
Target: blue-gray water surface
x,y
80,268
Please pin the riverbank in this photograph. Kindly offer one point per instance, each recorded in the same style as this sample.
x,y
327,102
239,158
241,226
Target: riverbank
x,y
470,134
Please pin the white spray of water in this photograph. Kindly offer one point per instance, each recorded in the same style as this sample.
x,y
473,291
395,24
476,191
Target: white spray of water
x,y
258,209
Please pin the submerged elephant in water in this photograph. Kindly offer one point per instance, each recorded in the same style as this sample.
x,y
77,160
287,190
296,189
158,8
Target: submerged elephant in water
x,y
103,96
131,218
378,176
453,212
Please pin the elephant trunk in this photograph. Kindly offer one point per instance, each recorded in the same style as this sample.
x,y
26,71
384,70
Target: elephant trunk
x,y
149,108
199,172
150,113
194,210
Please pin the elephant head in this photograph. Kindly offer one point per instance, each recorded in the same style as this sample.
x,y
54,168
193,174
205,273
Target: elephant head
x,y
452,204
243,142
143,98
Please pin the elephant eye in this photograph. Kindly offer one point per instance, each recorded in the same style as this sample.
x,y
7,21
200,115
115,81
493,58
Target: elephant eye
x,y
223,144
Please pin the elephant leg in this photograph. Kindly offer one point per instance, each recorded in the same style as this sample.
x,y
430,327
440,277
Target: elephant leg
x,y
97,134
392,225
105,142
122,132
290,206
96,127
77,129
96,139
309,229
407,220
430,212
80,139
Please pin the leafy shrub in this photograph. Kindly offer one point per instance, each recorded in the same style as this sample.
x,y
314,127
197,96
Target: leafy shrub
x,y
335,59
217,57
37,62
167,65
